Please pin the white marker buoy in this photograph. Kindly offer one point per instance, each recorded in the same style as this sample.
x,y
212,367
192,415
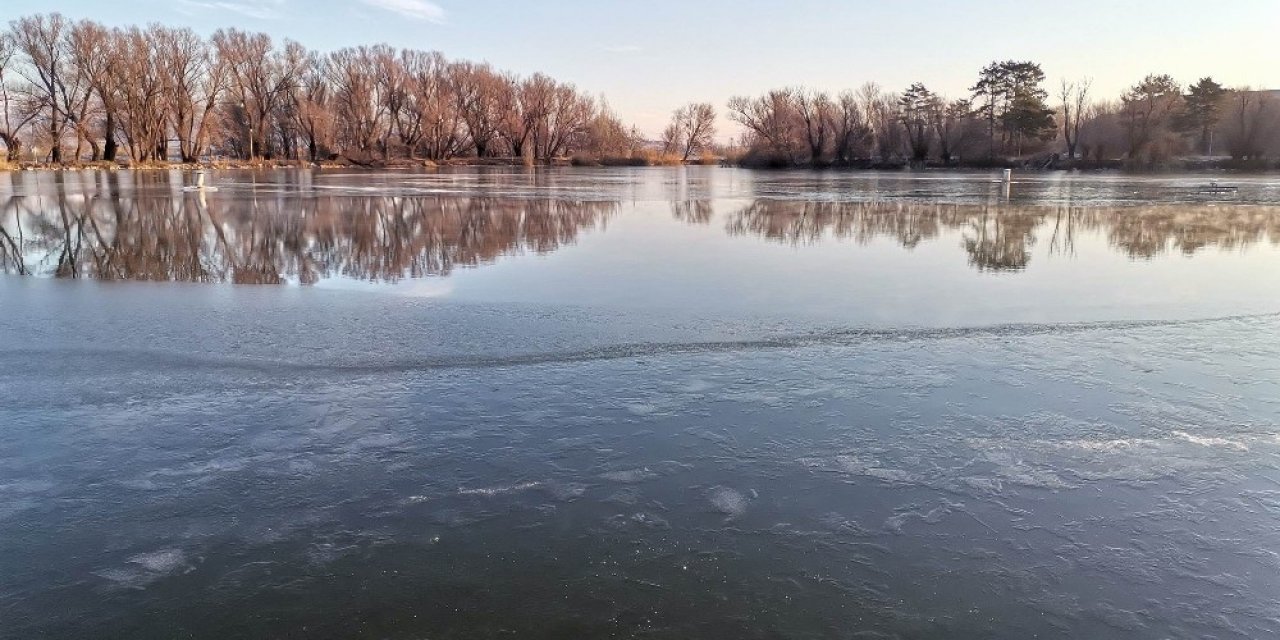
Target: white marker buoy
x,y
1008,175
199,186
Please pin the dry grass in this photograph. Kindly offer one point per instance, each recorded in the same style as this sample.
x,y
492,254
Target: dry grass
x,y
656,159
642,159
593,160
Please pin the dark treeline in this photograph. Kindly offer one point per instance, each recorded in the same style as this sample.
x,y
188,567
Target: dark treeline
x,y
82,91
79,91
1010,117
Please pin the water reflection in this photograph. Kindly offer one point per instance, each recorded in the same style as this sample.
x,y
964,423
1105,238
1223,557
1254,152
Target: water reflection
x,y
1000,237
693,211
303,227
141,235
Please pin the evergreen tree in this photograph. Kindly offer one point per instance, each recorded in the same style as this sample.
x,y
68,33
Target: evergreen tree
x,y
1009,94
915,109
1202,107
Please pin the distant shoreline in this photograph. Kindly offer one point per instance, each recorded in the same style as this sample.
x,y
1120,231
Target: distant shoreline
x,y
213,165
1192,166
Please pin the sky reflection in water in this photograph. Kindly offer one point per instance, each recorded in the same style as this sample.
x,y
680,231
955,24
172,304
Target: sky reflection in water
x,y
929,248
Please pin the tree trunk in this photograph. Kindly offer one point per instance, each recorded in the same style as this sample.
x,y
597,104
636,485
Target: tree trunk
x,y
110,147
13,147
55,152
991,137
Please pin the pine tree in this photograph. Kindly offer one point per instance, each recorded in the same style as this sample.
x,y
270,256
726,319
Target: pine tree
x,y
1010,94
1202,107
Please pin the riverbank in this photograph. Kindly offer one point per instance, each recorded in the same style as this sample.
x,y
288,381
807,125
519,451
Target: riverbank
x,y
1049,162
264,164
647,159
1186,165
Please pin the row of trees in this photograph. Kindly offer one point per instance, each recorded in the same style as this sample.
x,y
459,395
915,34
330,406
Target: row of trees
x,y
1009,114
81,90
1160,119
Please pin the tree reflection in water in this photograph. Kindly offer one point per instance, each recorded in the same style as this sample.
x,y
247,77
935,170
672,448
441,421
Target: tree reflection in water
x,y
692,211
142,226
1000,237
159,234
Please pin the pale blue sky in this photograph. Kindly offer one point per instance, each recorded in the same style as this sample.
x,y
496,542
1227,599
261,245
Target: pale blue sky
x,y
648,57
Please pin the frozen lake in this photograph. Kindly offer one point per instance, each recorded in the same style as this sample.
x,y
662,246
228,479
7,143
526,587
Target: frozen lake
x,y
665,403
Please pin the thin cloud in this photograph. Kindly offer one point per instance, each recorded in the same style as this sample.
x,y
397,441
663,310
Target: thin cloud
x,y
623,48
261,10
412,9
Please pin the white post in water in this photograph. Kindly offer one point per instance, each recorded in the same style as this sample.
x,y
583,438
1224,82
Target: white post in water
x,y
199,179
1008,175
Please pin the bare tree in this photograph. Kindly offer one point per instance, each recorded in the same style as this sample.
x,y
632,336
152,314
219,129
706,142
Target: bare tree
x,y
1148,111
524,105
311,106
87,55
1075,99
769,119
444,130
816,113
260,80
12,119
673,136
852,135
1253,120
406,104
882,117
691,130
360,89
608,136
40,40
139,95
191,81
477,90
92,48
565,125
